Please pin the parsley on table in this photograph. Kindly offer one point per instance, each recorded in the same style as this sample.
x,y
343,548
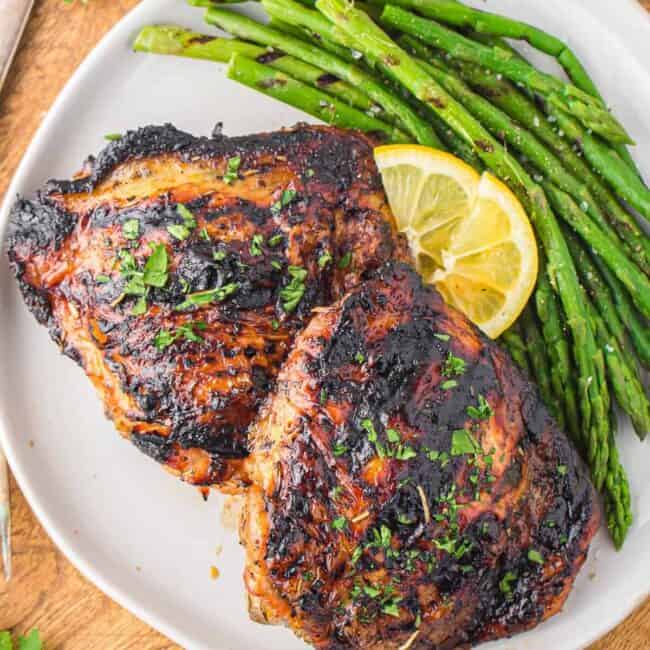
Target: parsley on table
x,y
30,642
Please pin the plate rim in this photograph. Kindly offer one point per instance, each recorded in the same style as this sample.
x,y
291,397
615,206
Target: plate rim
x,y
20,473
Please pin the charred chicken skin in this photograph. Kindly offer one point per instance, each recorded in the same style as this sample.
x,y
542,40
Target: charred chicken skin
x,y
177,270
409,490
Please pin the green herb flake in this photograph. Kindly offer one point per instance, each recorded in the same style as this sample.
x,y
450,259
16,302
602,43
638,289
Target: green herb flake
x,y
178,231
453,366
404,452
292,294
188,218
201,298
256,245
449,384
391,609
392,435
131,229
535,556
481,412
113,137
286,198
275,240
324,260
309,173
442,337
562,470
218,256
462,442
371,591
155,268
163,339
275,324
140,307
344,262
30,642
232,170
336,492
204,234
323,396
276,265
102,279
359,358
339,449
356,555
505,584
340,523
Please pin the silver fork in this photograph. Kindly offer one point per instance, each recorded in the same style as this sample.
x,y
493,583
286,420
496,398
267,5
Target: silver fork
x,y
13,18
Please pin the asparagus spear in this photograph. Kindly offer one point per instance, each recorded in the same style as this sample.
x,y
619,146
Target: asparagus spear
x,y
618,504
329,109
515,345
539,362
637,329
589,110
482,22
246,28
373,42
626,386
628,273
503,94
555,338
172,40
600,294
502,126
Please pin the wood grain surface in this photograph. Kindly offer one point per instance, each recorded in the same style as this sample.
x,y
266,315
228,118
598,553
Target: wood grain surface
x,y
47,592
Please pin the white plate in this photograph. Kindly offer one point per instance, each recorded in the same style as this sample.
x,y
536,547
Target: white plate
x,y
144,538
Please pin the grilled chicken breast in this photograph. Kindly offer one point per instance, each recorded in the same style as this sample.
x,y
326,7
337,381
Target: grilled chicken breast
x,y
409,487
177,270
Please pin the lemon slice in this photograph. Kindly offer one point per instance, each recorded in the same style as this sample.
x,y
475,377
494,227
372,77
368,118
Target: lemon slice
x,y
469,234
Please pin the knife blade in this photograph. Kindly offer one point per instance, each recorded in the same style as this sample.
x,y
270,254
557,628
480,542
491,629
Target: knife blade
x,y
13,18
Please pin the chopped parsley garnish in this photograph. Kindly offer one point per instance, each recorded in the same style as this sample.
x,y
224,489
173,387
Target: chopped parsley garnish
x,y
442,337
562,470
292,294
481,412
449,384
165,338
394,448
359,358
102,279
344,262
340,523
356,555
219,256
309,173
324,260
380,537
275,240
155,268
131,229
178,231
188,218
371,591
275,324
287,197
462,442
336,491
232,170
535,556
112,137
453,366
276,265
204,234
339,449
140,306
256,245
391,609
209,296
505,584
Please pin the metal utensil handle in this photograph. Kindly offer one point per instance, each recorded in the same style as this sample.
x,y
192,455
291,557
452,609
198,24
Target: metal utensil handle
x,y
13,18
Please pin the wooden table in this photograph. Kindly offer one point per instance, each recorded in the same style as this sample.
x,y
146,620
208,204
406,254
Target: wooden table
x,y
47,591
